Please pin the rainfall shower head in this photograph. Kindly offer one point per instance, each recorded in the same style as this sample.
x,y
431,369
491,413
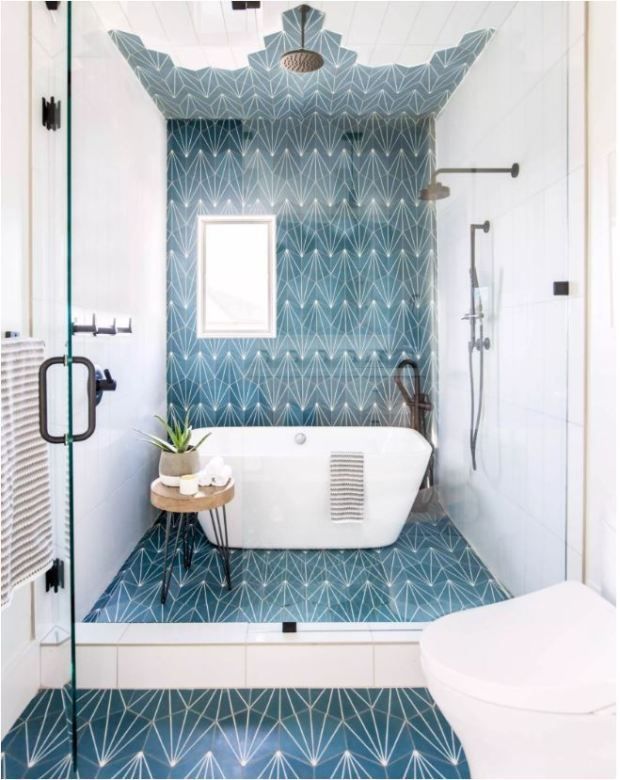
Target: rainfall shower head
x,y
435,190
302,60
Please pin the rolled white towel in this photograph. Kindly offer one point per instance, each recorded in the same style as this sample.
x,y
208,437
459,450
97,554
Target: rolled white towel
x,y
216,472
220,479
216,463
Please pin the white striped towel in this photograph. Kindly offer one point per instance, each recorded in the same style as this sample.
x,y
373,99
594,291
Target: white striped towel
x,y
27,539
346,487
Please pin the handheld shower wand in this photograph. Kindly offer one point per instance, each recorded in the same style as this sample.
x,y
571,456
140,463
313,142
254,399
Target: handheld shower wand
x,y
475,315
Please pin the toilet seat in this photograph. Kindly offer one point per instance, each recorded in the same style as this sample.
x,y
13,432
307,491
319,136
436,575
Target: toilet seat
x,y
549,651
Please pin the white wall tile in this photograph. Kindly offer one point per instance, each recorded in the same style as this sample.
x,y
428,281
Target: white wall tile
x,y
96,666
576,105
185,633
119,270
55,664
15,160
574,487
21,679
398,666
303,665
576,20
185,666
513,508
602,303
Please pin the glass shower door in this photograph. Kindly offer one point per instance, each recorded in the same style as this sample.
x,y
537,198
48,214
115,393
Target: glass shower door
x,y
38,655
62,371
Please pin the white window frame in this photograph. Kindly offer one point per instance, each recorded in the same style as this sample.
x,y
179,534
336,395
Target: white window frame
x,y
242,332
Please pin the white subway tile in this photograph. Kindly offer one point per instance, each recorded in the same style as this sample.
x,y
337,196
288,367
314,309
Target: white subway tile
x,y
96,666
305,665
181,666
398,666
574,487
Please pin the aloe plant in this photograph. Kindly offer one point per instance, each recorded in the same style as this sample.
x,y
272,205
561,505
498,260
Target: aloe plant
x,y
178,432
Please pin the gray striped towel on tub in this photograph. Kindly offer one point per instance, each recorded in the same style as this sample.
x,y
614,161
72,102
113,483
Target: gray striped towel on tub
x,y
346,487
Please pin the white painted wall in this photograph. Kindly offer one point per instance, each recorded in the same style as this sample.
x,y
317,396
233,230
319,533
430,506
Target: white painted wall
x,y
512,107
602,301
15,76
119,270
20,651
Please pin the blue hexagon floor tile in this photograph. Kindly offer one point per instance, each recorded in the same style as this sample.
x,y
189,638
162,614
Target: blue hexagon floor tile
x,y
428,572
231,733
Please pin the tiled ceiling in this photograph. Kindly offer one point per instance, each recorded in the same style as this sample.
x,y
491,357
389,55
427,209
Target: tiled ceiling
x,y
264,89
209,33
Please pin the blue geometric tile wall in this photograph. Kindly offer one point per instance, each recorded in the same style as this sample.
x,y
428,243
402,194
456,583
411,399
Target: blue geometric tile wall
x,y
355,267
339,157
264,89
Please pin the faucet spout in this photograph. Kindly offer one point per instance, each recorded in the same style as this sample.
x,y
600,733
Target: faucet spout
x,y
418,403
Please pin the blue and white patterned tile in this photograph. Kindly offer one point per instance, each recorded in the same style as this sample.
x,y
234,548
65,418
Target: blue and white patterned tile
x,y
355,266
429,571
265,90
237,733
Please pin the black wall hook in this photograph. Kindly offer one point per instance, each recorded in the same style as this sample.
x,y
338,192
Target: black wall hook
x,y
111,330
92,328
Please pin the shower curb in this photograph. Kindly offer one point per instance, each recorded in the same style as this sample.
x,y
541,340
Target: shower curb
x,y
240,655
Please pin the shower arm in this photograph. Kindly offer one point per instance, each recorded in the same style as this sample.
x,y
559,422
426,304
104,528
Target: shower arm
x,y
513,171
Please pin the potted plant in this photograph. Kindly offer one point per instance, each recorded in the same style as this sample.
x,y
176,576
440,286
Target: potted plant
x,y
178,456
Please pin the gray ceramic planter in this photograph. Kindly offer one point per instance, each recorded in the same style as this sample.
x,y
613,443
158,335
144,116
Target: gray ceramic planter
x,y
173,465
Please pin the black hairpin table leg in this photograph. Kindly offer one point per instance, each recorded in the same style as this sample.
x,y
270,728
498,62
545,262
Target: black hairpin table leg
x,y
188,540
169,565
220,529
184,510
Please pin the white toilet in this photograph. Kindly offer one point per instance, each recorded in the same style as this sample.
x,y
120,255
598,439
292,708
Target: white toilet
x,y
529,684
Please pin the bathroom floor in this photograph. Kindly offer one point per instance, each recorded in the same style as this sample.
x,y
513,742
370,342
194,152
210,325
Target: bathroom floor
x,y
230,733
428,572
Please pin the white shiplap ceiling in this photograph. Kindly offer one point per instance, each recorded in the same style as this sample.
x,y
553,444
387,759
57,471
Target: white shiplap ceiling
x,y
209,33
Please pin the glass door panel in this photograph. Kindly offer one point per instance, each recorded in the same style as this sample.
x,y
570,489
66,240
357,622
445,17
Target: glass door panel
x,y
38,657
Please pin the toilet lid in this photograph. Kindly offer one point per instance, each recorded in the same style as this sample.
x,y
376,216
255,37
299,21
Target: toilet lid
x,y
551,651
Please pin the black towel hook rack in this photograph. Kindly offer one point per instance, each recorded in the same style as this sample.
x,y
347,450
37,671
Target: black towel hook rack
x,y
97,330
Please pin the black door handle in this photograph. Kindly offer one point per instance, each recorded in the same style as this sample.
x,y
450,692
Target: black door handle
x,y
91,393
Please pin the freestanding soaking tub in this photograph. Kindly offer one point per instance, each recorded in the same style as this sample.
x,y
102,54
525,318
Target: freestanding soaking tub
x,y
282,484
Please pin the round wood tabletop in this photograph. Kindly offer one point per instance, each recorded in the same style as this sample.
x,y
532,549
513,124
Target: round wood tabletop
x,y
171,500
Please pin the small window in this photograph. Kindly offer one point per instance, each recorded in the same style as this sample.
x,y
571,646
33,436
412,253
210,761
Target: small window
x,y
237,277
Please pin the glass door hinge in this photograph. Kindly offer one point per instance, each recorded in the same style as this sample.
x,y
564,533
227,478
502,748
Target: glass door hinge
x,y
55,576
51,113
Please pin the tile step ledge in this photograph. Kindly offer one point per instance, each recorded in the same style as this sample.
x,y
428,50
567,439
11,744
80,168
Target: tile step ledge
x,y
245,655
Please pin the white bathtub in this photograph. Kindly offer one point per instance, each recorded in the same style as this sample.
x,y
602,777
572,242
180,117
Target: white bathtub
x,y
282,487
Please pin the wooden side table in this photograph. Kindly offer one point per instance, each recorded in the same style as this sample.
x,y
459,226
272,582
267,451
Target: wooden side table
x,y
208,499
